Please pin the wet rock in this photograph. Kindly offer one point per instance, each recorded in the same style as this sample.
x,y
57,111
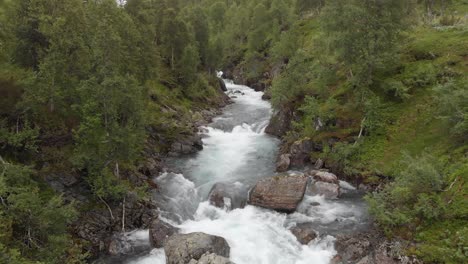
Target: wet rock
x,y
228,196
283,163
188,145
352,247
127,244
267,95
119,245
281,193
300,151
211,259
319,164
329,190
304,233
280,123
323,176
97,226
182,249
160,232
222,85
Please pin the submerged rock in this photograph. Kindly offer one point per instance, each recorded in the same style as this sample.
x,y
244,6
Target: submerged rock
x,y
182,249
304,233
281,193
283,163
228,196
211,259
160,231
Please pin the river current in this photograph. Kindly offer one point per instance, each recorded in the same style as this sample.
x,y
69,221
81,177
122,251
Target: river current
x,y
237,151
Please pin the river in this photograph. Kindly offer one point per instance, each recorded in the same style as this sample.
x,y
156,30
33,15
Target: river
x,y
237,151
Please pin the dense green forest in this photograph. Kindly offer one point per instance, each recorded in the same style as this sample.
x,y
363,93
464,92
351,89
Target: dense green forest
x,y
86,87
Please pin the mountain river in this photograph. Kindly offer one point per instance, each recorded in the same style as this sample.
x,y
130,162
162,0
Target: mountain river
x,y
238,152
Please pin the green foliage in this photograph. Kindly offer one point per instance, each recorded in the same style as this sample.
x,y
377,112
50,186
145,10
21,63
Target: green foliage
x,y
368,44
413,195
453,102
34,222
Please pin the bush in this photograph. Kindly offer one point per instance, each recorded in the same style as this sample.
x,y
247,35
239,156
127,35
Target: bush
x,y
412,196
452,98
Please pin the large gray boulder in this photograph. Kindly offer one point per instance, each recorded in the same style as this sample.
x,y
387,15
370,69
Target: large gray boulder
x,y
181,249
280,193
160,232
211,259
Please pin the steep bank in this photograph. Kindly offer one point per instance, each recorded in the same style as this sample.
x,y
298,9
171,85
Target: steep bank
x,y
406,134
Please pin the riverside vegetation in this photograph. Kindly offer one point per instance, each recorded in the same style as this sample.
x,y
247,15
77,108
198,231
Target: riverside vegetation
x,y
94,93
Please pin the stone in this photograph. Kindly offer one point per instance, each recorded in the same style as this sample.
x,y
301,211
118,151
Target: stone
x,y
211,259
319,164
222,85
160,231
228,196
354,247
280,122
329,190
323,176
283,163
182,249
119,245
280,193
304,233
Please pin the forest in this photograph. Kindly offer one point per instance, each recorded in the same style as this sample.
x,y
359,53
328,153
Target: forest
x,y
94,93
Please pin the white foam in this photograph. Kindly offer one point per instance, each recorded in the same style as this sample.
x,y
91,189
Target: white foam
x,y
257,235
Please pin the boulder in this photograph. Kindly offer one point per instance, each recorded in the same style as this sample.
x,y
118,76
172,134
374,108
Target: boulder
x,y
222,85
353,247
160,232
281,193
304,233
323,176
280,123
228,195
300,151
319,164
126,244
329,190
182,249
283,163
211,259
119,245
188,145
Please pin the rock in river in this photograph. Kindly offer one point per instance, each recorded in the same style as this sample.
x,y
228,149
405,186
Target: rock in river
x,y
211,259
228,195
304,233
182,249
280,193
326,189
160,231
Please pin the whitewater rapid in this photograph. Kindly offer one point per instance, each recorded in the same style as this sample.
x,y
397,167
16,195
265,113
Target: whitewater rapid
x,y
237,150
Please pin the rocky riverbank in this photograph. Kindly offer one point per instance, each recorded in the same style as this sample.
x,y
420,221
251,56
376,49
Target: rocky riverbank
x,y
100,229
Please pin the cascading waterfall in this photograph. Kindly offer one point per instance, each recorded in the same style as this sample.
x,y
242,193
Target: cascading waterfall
x,y
238,151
